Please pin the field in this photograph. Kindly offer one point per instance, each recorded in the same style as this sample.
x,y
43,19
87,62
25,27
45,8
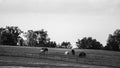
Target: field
x,y
31,57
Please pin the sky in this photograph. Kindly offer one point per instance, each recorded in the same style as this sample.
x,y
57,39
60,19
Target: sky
x,y
64,20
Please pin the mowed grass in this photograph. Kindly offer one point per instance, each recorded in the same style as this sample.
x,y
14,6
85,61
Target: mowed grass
x,y
94,57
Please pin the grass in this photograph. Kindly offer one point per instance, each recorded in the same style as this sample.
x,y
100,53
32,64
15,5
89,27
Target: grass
x,y
94,57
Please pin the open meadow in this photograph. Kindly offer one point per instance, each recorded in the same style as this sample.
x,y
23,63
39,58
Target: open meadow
x,y
30,56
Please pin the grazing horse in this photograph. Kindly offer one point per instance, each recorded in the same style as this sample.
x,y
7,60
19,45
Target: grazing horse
x,y
44,50
73,52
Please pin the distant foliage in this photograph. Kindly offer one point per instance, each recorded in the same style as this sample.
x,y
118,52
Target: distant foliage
x,y
32,38
65,45
39,39
9,35
113,42
42,38
89,43
52,44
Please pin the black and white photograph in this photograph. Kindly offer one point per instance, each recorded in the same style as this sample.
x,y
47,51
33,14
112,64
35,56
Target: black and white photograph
x,y
59,33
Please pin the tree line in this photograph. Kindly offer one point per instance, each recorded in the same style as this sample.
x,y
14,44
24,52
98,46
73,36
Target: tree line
x,y
10,36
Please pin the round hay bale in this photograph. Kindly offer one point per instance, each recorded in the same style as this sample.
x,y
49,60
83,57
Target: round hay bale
x,y
82,54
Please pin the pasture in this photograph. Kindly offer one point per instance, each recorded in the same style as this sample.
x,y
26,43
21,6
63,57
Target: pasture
x,y
56,56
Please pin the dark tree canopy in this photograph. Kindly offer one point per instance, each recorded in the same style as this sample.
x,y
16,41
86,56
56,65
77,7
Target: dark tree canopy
x,y
65,44
51,44
32,38
89,43
42,37
9,35
113,42
38,38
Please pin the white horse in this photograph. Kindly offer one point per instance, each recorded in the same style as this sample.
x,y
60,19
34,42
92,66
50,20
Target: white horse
x,y
66,52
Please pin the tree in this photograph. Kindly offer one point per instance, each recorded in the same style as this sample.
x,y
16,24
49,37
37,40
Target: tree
x,y
89,43
42,37
32,38
1,32
52,44
65,44
113,42
38,38
9,35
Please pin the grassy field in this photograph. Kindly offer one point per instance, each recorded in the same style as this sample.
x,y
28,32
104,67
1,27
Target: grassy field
x,y
94,57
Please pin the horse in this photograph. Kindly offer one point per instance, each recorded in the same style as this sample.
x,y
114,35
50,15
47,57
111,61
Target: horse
x,y
66,52
44,50
73,52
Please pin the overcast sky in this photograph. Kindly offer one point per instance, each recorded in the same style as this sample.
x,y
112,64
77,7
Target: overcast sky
x,y
65,20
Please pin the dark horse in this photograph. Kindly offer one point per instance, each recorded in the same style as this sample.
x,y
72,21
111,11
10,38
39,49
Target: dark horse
x,y
73,52
43,50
